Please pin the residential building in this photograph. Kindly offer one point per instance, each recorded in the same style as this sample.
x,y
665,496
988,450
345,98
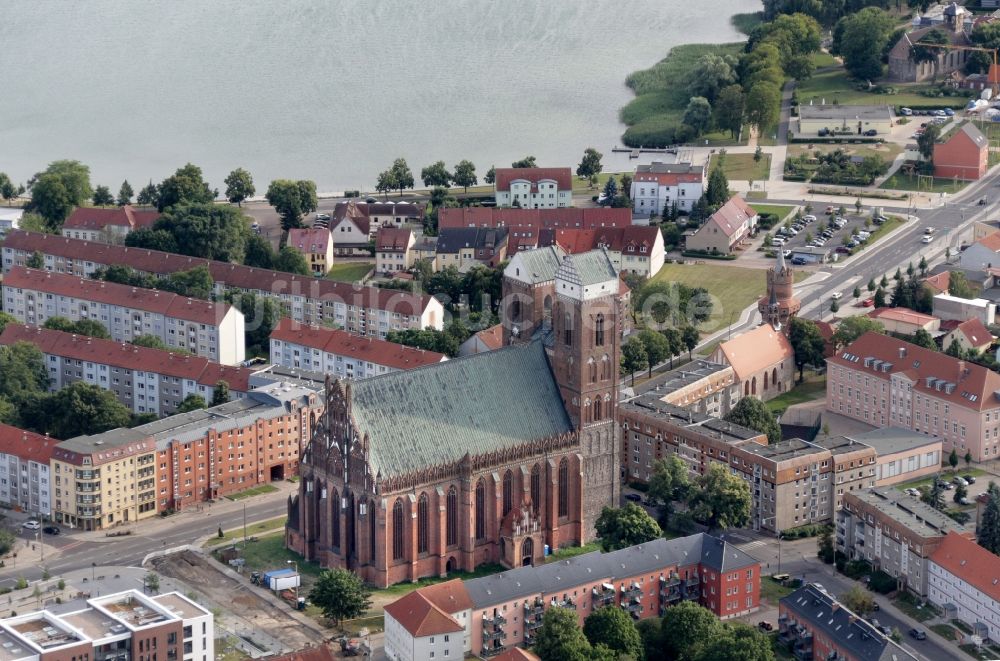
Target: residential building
x,y
316,245
812,624
534,188
965,582
394,249
416,629
488,339
903,454
660,186
969,335
522,222
905,321
887,382
467,247
25,480
104,480
204,328
426,248
635,249
894,532
107,225
961,309
700,386
124,625
962,154
351,232
10,219
144,380
762,359
940,283
379,214
728,229
982,254
367,311
844,120
779,304
505,610
341,354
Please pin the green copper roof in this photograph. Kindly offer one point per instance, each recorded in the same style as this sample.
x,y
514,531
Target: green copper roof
x,y
538,265
477,404
588,268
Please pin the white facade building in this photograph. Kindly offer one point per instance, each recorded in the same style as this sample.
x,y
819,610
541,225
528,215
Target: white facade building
x,y
966,577
534,188
25,481
660,185
418,630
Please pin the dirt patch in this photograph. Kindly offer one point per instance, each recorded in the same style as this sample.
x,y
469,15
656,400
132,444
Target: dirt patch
x,y
244,607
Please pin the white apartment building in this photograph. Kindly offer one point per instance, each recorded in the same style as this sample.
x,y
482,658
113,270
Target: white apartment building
x,y
659,185
204,328
534,188
965,580
341,354
25,481
416,629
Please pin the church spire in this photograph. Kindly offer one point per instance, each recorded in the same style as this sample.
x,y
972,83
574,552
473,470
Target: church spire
x,y
781,260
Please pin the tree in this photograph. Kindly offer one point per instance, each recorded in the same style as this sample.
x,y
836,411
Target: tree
x,y
933,495
220,395
737,642
729,108
293,199
858,600
465,175
191,403
621,527
151,583
7,541
185,186
684,628
51,199
763,103
854,327
879,298
698,114
721,500
690,337
7,187
710,75
491,175
239,186
926,140
560,637
634,357
861,38
669,484
675,341
76,410
807,343
590,166
151,342
526,162
967,458
148,195
610,191
924,339
857,292
953,459
340,594
717,192
88,327
834,306
752,413
989,527
36,260
205,230
959,286
825,547
657,347
102,197
616,629
291,260
961,493
402,177
260,317
385,183
436,175
6,319
125,194
259,252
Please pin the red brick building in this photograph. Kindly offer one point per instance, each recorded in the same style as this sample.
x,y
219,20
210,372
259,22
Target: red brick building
x,y
963,154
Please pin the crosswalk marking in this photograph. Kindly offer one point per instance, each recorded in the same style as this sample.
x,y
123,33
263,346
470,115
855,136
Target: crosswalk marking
x,y
752,545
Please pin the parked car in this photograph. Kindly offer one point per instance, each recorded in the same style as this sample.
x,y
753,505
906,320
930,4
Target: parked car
x,y
843,250
964,501
868,303
918,634
786,253
949,112
633,497
322,216
969,478
798,261
51,530
940,113
829,209
871,133
929,230
836,295
809,218
959,480
31,524
905,112
947,486
823,132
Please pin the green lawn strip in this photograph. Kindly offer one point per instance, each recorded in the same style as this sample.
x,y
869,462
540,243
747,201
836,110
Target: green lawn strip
x,y
822,59
907,603
253,530
771,590
945,631
405,588
581,185
268,553
813,388
880,231
974,652
253,491
742,167
835,86
946,474
349,271
910,182
572,551
782,211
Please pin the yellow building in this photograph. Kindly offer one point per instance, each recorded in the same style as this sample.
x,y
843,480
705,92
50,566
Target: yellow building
x,y
104,480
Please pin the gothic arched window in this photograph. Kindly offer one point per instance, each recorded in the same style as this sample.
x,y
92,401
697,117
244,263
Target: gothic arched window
x,y
423,534
564,487
335,533
508,492
536,488
568,329
451,517
480,510
597,409
599,331
398,541
371,531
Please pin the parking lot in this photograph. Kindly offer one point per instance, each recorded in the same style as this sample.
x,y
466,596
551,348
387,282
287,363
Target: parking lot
x,y
833,232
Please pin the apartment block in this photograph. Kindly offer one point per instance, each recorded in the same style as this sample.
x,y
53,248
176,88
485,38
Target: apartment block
x,y
316,246
965,583
25,478
903,455
368,311
107,225
887,382
660,186
534,188
700,386
341,354
812,624
204,328
143,379
498,612
104,480
116,627
394,249
527,222
895,532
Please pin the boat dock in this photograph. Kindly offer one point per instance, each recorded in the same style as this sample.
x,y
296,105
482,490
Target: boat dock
x,y
634,152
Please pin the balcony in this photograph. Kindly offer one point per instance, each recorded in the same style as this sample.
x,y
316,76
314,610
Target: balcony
x,y
603,596
488,651
491,636
495,622
533,609
670,588
567,603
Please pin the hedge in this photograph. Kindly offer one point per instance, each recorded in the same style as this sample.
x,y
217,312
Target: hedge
x,y
882,582
707,255
835,140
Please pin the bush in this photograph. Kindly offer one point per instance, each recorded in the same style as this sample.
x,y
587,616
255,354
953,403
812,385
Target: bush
x,y
857,568
882,582
707,255
767,220
639,486
794,583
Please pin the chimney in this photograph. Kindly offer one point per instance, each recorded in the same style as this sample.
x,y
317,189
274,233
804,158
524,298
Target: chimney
x,y
961,370
902,352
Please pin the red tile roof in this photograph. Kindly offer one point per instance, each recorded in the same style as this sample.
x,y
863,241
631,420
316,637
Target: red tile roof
x,y
535,219
975,332
307,240
90,218
380,352
392,239
492,337
902,315
973,386
732,215
970,562
112,293
991,241
26,445
420,617
940,283
223,273
517,654
128,356
562,176
320,653
450,596
618,239
755,350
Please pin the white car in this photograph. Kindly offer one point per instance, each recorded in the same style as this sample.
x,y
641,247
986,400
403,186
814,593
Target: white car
x,y
927,239
836,295
810,218
322,216
31,524
786,253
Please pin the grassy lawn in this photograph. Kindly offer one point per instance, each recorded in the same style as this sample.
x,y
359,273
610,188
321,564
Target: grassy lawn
x,y
253,491
236,534
583,186
822,59
771,590
880,231
742,167
907,603
400,589
887,151
901,181
349,271
812,388
782,211
573,551
269,552
733,288
226,650
946,631
974,652
946,474
835,87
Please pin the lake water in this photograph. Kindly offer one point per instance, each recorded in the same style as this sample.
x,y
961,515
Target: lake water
x,y
331,91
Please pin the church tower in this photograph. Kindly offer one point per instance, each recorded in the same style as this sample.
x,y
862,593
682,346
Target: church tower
x,y
779,305
585,354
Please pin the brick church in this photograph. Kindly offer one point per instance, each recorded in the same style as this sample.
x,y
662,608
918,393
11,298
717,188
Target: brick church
x,y
487,458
